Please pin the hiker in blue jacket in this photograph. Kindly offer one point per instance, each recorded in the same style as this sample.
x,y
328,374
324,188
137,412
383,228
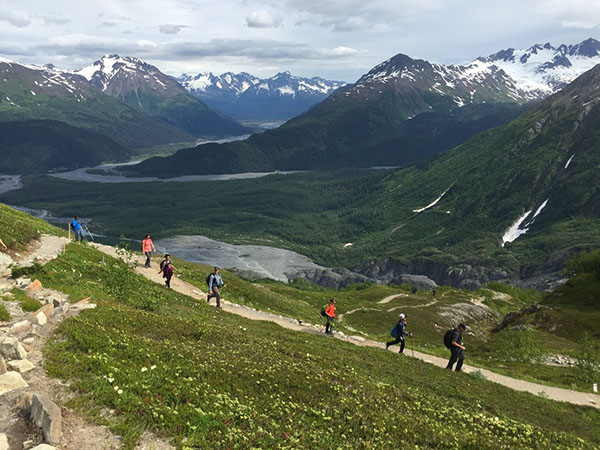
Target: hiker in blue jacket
x,y
398,332
215,283
76,227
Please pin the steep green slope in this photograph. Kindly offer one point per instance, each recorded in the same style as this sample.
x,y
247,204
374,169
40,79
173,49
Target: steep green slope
x,y
211,379
17,229
47,145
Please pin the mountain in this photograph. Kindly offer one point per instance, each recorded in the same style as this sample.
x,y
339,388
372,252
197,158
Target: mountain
x,y
46,93
48,145
247,97
401,111
146,89
511,203
544,69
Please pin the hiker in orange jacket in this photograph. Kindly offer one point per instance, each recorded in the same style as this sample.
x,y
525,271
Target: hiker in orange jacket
x,y
330,313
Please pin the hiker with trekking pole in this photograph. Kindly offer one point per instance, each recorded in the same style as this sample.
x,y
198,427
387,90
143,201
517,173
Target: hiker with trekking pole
x,y
453,341
398,333
215,284
77,229
328,311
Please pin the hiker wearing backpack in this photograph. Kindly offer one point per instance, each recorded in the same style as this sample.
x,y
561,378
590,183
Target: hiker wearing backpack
x,y
76,227
328,311
453,340
398,332
167,268
147,249
215,283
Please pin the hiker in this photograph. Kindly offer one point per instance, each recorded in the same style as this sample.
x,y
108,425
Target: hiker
x,y
215,283
414,290
147,249
76,227
457,349
398,332
4,247
329,312
433,291
167,268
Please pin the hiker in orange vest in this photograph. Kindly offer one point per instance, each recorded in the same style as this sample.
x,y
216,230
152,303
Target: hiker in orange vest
x,y
330,314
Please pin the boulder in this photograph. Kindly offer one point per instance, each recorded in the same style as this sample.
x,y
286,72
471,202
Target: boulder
x,y
46,415
21,327
6,285
10,348
21,365
35,286
3,368
29,340
43,447
11,381
46,309
38,318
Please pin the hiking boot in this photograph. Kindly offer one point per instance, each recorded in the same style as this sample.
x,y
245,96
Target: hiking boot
x,y
387,346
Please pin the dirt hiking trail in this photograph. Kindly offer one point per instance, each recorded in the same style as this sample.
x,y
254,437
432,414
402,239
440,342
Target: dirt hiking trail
x,y
183,287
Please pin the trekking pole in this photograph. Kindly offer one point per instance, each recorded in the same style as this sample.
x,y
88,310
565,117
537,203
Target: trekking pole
x,y
87,230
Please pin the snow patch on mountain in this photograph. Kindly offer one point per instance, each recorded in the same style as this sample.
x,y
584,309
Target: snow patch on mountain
x,y
513,232
569,161
433,203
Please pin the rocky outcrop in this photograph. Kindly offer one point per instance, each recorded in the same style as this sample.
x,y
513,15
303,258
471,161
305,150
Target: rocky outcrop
x,y
330,278
465,276
511,317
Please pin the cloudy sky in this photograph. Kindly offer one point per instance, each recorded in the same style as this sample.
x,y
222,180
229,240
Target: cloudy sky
x,y
338,39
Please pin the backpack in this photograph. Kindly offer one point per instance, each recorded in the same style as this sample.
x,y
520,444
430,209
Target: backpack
x,y
395,331
208,279
323,313
448,338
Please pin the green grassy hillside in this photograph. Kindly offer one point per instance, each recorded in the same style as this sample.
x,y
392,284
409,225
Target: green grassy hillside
x,y
17,229
210,379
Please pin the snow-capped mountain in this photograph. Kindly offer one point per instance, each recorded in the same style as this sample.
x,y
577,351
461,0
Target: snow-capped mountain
x,y
243,95
144,87
544,69
117,76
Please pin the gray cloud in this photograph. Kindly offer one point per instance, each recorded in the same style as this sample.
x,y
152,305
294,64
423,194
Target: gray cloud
x,y
263,19
53,20
171,29
108,24
14,19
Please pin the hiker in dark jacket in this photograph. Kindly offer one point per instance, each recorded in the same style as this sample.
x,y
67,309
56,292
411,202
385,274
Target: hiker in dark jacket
x,y
167,268
398,332
457,349
215,283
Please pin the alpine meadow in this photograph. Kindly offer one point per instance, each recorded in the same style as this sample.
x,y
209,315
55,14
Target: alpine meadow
x,y
299,225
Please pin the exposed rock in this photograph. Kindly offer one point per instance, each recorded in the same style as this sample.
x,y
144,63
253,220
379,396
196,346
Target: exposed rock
x,y
46,415
419,281
38,318
5,261
83,306
21,365
6,285
35,286
512,316
330,278
3,441
46,309
11,381
43,447
10,348
3,368
20,327
61,309
29,340
23,282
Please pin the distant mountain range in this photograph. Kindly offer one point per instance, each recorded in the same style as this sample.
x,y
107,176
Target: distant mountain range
x,y
245,96
402,111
